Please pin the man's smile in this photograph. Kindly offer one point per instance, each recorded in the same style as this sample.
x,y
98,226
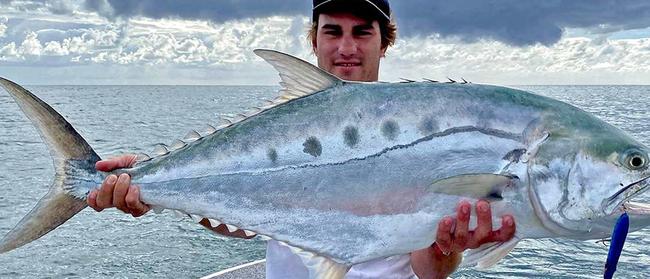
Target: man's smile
x,y
347,64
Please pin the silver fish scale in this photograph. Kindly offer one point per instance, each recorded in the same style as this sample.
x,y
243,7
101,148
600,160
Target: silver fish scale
x,y
409,135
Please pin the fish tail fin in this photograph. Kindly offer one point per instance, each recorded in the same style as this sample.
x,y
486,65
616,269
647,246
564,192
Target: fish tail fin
x,y
74,163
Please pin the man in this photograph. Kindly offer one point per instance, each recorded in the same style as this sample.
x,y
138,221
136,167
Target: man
x,y
349,37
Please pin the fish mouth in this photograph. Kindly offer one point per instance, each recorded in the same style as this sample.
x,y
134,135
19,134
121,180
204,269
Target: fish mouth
x,y
621,198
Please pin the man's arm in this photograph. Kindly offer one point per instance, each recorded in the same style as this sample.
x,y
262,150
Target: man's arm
x,y
117,191
453,237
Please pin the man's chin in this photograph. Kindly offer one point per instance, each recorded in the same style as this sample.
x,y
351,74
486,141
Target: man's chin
x,y
349,73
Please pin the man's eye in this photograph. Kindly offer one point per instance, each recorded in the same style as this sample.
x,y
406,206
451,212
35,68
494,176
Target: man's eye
x,y
363,33
332,33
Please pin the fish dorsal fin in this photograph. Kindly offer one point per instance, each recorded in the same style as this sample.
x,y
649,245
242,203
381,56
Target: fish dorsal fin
x,y
177,144
489,254
299,77
192,136
160,149
209,129
142,157
486,186
319,267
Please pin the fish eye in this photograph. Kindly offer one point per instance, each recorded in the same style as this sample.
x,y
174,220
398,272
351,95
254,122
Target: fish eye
x,y
635,160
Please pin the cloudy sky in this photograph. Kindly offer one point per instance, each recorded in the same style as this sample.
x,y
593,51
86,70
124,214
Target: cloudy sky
x,y
211,41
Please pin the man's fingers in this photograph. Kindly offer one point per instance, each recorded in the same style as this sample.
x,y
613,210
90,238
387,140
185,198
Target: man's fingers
x,y
124,161
135,206
444,234
461,233
104,197
119,192
506,232
483,225
92,201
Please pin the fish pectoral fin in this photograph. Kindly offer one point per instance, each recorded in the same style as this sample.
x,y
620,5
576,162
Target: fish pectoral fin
x,y
486,186
319,267
489,254
637,208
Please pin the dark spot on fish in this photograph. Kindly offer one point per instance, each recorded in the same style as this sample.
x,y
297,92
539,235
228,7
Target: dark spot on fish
x,y
494,196
514,155
428,126
312,147
351,136
272,154
390,129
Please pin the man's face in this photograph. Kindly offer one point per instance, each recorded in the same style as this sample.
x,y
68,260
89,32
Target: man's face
x,y
348,47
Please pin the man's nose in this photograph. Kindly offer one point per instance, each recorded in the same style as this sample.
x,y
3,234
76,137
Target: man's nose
x,y
347,46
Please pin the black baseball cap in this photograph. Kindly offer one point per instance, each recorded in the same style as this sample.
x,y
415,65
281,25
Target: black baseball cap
x,y
380,8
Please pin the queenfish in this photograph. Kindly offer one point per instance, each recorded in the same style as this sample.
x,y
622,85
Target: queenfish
x,y
347,172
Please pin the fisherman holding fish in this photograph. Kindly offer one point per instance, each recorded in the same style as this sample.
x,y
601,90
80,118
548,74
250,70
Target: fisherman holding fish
x,y
349,38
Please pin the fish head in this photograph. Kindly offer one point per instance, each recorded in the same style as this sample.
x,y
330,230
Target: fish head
x,y
585,176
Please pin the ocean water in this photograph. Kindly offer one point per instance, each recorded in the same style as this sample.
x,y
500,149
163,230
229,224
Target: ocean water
x,y
129,119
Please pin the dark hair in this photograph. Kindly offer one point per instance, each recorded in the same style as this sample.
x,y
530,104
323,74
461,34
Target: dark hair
x,y
388,29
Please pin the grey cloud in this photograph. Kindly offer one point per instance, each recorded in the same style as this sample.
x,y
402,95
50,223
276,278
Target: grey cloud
x,y
217,11
54,6
17,29
517,22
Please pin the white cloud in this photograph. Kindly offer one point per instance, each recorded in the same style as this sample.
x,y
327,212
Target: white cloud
x,y
199,43
106,38
54,48
31,45
8,52
3,25
491,61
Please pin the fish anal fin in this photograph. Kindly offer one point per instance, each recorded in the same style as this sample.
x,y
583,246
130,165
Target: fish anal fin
x,y
319,267
489,254
478,186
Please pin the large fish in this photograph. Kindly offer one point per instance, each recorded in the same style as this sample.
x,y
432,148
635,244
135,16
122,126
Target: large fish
x,y
346,172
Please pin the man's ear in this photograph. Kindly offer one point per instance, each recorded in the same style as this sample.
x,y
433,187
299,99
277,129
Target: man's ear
x,y
314,45
383,52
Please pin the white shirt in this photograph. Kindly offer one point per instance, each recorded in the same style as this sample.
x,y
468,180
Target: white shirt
x,y
282,263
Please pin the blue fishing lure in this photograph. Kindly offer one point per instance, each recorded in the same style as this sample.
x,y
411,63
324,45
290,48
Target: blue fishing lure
x,y
616,246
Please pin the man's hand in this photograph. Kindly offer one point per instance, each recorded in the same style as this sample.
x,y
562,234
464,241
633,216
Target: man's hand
x,y
454,237
117,191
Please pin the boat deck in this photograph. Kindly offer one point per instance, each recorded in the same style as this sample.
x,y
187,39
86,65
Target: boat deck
x,y
252,270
